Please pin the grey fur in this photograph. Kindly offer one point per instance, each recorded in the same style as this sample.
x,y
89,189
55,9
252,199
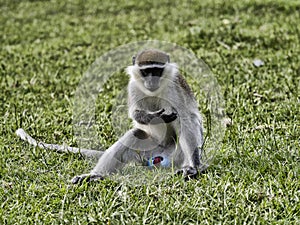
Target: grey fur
x,y
180,138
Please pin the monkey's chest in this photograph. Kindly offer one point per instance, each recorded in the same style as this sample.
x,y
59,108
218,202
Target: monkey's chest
x,y
153,103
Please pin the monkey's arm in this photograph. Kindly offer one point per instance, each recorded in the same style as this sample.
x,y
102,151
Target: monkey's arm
x,y
59,148
156,117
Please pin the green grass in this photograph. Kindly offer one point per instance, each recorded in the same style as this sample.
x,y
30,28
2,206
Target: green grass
x,y
46,46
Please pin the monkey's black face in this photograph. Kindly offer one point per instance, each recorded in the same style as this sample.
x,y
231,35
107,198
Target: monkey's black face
x,y
151,77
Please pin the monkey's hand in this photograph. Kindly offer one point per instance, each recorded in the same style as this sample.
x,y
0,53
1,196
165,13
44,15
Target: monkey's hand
x,y
86,178
156,117
169,117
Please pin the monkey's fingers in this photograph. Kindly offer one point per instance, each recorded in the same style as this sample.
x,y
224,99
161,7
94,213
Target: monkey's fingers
x,y
86,178
187,172
169,117
158,112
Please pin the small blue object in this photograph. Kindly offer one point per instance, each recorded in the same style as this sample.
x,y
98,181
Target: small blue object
x,y
158,161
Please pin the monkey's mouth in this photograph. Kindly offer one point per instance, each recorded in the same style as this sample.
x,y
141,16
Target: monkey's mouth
x,y
152,89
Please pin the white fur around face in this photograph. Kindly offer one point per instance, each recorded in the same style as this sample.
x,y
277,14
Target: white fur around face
x,y
168,75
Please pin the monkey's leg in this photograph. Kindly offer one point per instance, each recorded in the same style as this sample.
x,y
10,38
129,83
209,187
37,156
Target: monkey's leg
x,y
190,142
59,148
132,147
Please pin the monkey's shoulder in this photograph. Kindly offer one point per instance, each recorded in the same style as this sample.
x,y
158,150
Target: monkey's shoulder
x,y
184,85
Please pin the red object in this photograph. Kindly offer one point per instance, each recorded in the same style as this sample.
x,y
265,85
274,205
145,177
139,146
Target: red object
x,y
157,160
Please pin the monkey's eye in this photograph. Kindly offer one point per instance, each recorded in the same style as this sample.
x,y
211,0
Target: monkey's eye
x,y
152,71
144,73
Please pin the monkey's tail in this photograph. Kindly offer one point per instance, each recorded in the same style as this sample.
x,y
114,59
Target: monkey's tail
x,y
89,153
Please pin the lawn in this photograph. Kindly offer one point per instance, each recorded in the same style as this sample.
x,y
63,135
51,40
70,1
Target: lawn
x,y
47,46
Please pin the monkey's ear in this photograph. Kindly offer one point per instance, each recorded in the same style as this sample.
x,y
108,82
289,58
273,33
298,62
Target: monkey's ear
x,y
133,60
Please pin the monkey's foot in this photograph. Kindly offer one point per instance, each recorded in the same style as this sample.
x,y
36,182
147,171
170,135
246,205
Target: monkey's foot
x,y
187,172
86,178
